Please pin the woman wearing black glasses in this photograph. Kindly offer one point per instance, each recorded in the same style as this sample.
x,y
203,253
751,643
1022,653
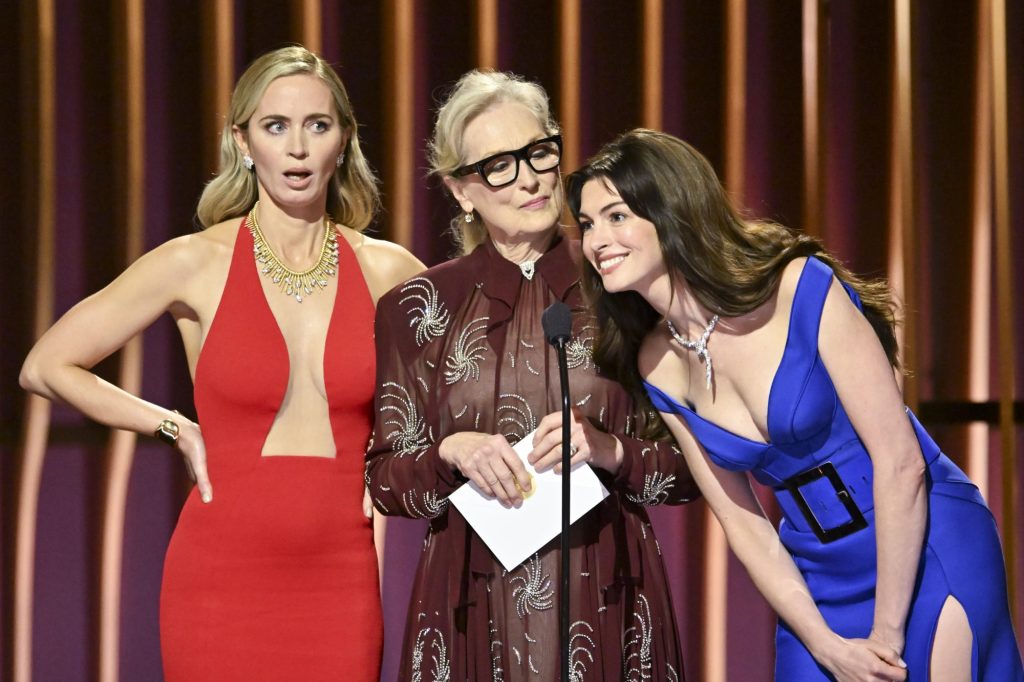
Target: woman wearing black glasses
x,y
464,372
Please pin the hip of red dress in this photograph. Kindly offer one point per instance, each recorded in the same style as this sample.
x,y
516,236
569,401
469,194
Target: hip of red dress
x,y
276,577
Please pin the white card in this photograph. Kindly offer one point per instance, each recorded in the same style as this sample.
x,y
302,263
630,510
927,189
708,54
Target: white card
x,y
514,534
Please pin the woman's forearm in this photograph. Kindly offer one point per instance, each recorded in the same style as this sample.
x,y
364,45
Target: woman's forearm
x,y
901,511
770,566
93,396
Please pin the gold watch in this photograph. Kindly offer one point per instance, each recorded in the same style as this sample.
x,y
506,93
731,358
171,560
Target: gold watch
x,y
168,432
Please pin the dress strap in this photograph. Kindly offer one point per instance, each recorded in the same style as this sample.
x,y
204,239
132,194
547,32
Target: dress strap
x,y
350,274
808,302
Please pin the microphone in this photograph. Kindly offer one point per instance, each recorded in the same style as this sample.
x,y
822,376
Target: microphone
x,y
557,323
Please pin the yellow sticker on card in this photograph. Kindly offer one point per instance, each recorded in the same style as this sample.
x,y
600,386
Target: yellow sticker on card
x,y
527,493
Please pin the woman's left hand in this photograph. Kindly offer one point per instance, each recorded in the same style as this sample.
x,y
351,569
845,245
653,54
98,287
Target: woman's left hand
x,y
587,444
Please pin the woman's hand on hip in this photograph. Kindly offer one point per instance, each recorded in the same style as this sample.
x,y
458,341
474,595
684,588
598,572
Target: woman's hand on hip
x,y
193,449
587,444
490,462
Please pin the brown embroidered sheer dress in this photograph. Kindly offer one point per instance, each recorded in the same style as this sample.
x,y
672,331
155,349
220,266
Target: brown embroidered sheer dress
x,y
461,348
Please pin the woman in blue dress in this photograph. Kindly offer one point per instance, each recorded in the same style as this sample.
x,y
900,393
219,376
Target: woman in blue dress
x,y
763,354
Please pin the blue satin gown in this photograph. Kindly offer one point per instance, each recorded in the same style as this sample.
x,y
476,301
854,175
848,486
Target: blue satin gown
x,y
822,478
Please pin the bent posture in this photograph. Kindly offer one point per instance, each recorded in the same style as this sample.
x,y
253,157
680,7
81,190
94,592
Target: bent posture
x,y
763,354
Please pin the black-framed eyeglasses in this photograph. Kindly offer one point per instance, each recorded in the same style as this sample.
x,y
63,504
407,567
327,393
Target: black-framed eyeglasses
x,y
502,168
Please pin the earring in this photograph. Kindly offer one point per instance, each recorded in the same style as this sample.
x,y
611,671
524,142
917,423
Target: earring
x,y
469,216
341,159
248,162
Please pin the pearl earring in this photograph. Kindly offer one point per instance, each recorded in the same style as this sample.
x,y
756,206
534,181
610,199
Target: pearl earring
x,y
248,162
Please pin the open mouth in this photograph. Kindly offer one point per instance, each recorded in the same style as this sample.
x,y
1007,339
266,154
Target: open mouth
x,y
297,176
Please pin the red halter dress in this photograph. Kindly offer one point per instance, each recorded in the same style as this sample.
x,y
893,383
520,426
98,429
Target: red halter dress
x,y
276,578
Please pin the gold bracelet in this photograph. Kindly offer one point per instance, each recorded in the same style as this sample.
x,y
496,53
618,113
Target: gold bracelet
x,y
168,432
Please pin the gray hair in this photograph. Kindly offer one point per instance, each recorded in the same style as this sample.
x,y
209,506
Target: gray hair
x,y
473,93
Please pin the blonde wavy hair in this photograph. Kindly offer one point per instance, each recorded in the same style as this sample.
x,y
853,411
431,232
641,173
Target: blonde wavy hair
x,y
352,197
474,92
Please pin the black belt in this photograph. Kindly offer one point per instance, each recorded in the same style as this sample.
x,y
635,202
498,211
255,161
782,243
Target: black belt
x,y
833,508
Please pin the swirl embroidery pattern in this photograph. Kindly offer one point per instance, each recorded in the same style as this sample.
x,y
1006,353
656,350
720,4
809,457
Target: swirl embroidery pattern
x,y
409,430
428,316
581,649
497,672
579,352
426,506
464,362
517,415
637,641
656,487
442,667
533,590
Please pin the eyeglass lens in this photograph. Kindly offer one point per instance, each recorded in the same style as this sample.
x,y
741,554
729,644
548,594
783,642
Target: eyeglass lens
x,y
501,170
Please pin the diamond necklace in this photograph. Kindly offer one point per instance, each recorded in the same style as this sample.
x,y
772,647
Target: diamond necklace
x,y
700,346
290,282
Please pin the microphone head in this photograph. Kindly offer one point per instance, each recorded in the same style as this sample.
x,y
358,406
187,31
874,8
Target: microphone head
x,y
557,322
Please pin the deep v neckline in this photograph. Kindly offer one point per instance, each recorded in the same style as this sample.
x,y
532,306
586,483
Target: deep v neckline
x,y
772,402
252,268
277,324
282,342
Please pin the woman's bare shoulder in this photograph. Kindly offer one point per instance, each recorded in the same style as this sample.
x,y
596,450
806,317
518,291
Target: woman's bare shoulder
x,y
199,250
384,264
791,276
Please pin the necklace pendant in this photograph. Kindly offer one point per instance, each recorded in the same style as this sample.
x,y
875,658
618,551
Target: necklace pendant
x,y
527,268
700,346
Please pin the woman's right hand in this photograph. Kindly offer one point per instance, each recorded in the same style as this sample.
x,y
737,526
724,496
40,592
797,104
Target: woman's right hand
x,y
490,462
864,660
193,449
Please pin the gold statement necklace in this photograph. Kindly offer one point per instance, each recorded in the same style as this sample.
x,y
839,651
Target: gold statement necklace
x,y
297,284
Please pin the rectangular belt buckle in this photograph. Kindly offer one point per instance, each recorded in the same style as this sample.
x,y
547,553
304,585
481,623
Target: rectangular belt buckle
x,y
826,470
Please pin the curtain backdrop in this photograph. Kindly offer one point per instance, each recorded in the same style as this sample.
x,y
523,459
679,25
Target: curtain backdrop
x,y
892,129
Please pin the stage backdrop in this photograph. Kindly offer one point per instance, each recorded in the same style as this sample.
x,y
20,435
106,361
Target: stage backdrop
x,y
890,128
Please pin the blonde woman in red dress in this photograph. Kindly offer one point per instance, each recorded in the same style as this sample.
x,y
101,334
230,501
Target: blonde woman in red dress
x,y
271,573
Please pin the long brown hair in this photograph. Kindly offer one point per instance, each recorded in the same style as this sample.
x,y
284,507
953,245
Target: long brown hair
x,y
730,264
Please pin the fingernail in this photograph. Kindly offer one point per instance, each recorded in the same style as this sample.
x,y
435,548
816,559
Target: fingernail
x,y
901,663
206,497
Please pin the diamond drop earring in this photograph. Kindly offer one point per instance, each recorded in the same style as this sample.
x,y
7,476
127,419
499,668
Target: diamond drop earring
x,y
248,162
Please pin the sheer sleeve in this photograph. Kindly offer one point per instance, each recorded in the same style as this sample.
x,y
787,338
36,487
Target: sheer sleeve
x,y
404,471
653,473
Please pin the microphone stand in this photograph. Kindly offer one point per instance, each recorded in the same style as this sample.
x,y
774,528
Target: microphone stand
x,y
563,373
557,322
